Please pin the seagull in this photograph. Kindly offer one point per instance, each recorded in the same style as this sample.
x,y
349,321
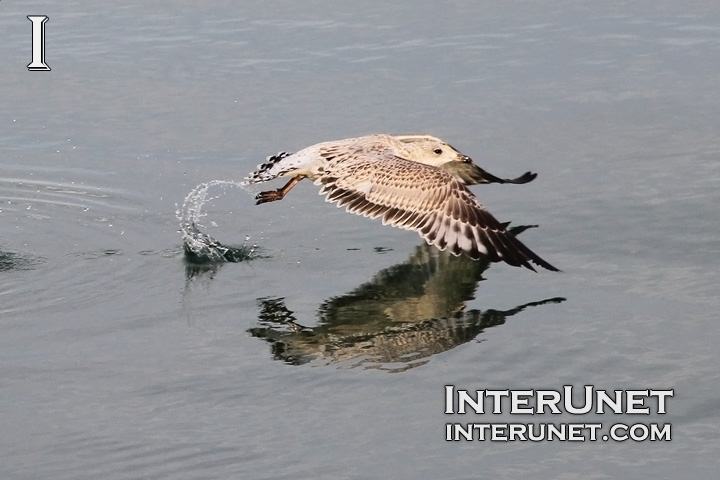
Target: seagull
x,y
414,182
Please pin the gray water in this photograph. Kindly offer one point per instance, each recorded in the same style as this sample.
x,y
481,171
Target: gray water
x,y
325,353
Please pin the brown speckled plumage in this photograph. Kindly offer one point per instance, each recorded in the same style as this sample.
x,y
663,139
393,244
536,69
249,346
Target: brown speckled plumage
x,y
409,185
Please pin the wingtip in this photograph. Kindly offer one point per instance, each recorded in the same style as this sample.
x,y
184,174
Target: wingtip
x,y
547,266
524,178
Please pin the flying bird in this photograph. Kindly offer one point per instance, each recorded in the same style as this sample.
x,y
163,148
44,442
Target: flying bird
x,y
414,182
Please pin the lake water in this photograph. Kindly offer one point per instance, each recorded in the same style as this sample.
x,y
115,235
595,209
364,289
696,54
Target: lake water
x,y
326,353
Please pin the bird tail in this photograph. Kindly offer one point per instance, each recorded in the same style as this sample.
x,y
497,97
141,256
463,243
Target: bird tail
x,y
265,171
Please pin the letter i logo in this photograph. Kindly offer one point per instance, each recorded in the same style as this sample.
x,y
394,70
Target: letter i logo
x,y
38,43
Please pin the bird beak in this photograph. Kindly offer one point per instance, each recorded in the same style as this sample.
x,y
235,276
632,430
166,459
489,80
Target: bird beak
x,y
464,158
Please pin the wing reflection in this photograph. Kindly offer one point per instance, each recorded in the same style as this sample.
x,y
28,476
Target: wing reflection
x,y
395,322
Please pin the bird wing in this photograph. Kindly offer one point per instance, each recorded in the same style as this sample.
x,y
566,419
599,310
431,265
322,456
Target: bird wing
x,y
426,199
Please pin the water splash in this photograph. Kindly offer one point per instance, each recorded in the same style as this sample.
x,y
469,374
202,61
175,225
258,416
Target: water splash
x,y
200,247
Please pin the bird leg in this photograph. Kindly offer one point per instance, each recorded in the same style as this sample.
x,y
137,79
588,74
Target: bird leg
x,y
278,194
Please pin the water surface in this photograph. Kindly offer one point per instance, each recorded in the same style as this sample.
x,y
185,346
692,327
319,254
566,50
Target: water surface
x,y
326,352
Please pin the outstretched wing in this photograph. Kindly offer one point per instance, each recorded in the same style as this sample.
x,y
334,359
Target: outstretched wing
x,y
426,199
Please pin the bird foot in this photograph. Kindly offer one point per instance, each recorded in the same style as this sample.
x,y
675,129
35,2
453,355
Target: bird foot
x,y
269,196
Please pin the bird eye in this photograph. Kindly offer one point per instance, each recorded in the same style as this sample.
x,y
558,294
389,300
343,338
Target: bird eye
x,y
437,151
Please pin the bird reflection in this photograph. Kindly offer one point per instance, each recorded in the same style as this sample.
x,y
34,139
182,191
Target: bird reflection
x,y
395,322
